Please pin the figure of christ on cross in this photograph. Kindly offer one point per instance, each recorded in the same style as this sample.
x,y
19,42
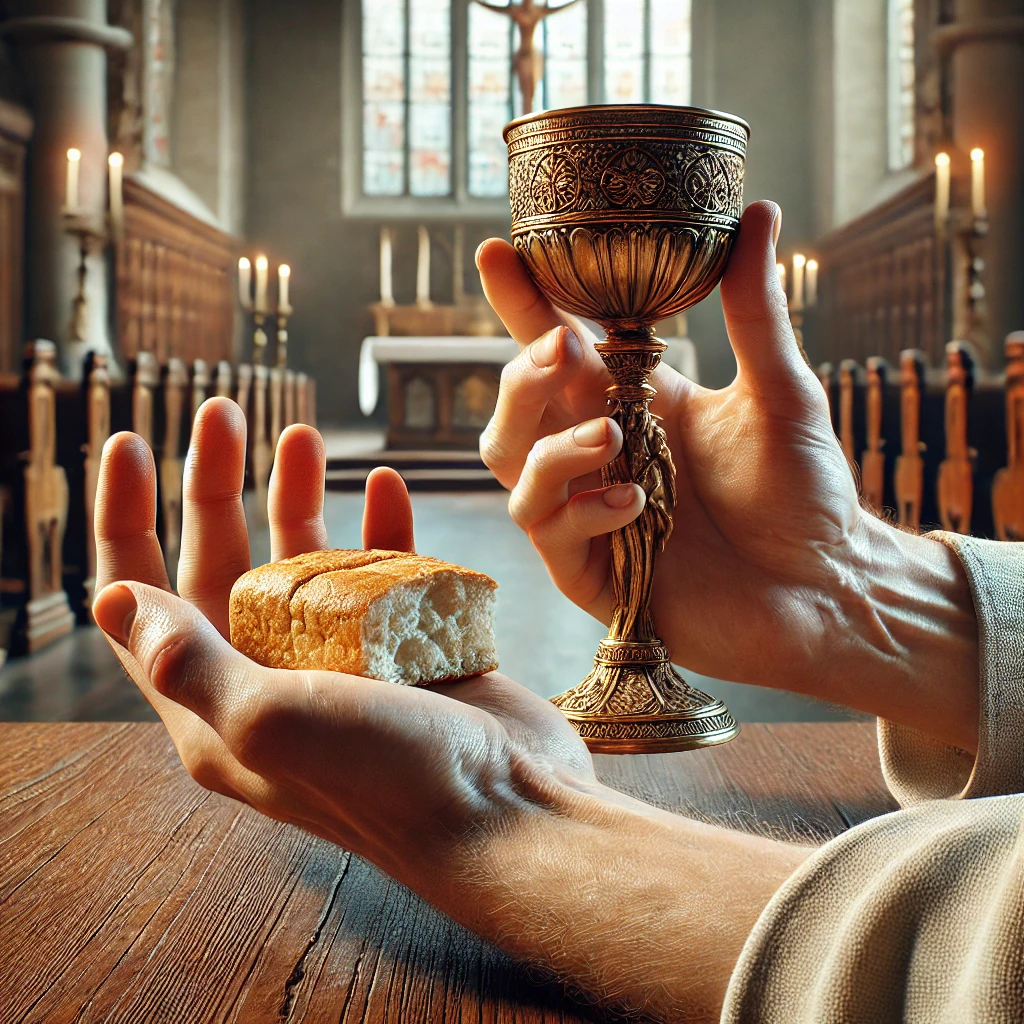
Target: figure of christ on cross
x,y
528,61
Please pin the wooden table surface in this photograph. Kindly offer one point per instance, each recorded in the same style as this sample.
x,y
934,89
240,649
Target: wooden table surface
x,y
127,893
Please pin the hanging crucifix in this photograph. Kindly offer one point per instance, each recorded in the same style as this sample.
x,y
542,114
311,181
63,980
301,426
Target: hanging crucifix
x,y
528,60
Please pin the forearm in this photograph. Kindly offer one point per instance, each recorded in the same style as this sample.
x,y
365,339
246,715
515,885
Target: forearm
x,y
631,906
903,636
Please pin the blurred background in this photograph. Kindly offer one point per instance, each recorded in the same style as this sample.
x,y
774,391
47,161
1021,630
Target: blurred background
x,y
280,203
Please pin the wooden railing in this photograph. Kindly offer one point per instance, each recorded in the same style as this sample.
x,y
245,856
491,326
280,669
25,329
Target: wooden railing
x,y
175,294
884,284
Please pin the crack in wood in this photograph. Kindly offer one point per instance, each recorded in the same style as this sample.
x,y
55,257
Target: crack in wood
x,y
299,970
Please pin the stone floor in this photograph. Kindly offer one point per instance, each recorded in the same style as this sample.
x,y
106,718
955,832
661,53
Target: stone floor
x,y
543,641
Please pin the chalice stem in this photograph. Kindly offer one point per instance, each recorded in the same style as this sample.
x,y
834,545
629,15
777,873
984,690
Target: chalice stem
x,y
634,700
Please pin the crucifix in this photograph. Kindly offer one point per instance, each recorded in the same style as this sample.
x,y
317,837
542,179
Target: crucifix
x,y
528,61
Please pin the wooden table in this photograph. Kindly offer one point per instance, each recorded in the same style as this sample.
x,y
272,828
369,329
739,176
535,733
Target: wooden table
x,y
127,893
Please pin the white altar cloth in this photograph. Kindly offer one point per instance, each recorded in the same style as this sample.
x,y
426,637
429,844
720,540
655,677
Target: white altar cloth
x,y
376,351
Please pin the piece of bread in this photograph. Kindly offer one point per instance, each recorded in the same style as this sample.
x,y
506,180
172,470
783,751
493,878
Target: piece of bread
x,y
384,614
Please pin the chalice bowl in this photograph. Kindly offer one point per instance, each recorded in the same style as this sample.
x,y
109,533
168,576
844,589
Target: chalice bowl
x,y
626,215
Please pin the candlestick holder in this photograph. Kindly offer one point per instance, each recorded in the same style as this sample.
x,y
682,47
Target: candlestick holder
x,y
965,232
94,235
259,338
627,215
283,313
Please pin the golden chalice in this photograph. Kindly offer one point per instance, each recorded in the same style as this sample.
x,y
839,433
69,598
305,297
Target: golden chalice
x,y
626,215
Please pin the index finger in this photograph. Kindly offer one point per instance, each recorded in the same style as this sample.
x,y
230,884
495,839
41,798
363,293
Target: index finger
x,y
508,287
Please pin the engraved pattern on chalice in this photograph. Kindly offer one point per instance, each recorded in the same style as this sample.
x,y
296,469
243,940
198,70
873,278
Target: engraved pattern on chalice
x,y
626,215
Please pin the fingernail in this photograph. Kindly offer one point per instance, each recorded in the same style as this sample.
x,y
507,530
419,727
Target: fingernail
x,y
776,226
591,434
115,611
476,255
544,351
621,495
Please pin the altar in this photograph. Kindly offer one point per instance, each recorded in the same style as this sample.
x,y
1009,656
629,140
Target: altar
x,y
441,391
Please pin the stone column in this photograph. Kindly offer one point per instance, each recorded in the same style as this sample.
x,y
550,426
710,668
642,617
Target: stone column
x,y
62,47
986,44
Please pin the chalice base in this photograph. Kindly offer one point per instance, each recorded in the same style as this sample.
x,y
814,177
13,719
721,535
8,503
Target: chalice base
x,y
635,702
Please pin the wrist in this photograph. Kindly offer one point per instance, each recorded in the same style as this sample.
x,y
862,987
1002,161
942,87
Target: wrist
x,y
616,898
902,642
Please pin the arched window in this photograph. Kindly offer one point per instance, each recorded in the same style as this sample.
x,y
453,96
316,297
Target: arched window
x,y
901,76
437,85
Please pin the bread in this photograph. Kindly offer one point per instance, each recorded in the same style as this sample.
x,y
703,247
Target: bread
x,y
384,614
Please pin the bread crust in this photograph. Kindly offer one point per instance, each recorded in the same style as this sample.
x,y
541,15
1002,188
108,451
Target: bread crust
x,y
307,612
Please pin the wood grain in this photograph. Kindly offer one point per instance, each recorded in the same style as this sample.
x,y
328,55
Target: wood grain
x,y
129,894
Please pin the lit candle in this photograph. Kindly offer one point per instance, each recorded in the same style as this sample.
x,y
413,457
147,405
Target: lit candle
x,y
284,276
71,186
941,190
245,283
423,269
387,295
978,182
799,261
261,284
780,269
812,282
115,172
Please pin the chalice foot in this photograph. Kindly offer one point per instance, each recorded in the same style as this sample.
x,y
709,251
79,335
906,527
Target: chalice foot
x,y
635,702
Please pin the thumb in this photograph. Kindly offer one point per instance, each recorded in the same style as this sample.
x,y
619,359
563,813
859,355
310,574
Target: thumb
x,y
756,313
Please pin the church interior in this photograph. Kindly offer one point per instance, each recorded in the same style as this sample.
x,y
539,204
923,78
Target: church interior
x,y
279,204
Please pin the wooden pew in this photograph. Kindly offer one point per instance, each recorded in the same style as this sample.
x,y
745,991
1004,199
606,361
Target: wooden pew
x,y
172,462
96,382
46,615
1008,486
872,461
956,473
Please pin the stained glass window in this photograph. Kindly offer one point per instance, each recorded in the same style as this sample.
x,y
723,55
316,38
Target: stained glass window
x,y
407,93
647,51
901,84
407,111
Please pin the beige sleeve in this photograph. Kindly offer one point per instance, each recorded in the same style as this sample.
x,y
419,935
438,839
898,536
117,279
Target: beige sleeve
x,y
914,916
917,767
917,915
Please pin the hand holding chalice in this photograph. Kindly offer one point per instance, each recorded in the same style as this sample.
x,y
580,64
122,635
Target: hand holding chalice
x,y
626,215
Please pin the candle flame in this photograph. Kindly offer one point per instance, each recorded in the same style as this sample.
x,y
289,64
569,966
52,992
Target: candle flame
x,y
799,259
812,264
116,159
74,155
977,155
284,270
244,264
261,262
941,159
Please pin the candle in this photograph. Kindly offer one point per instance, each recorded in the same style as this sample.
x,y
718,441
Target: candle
x,y
71,186
799,261
245,283
780,269
115,172
458,273
387,295
261,284
941,190
284,276
978,183
423,269
812,282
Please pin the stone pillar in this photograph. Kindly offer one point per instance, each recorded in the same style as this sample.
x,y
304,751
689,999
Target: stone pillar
x,y
986,45
61,46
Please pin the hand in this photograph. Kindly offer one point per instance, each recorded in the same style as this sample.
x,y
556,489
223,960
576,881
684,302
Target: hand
x,y
773,574
477,794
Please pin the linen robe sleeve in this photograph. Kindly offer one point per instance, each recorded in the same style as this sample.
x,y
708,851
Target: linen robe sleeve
x,y
918,915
